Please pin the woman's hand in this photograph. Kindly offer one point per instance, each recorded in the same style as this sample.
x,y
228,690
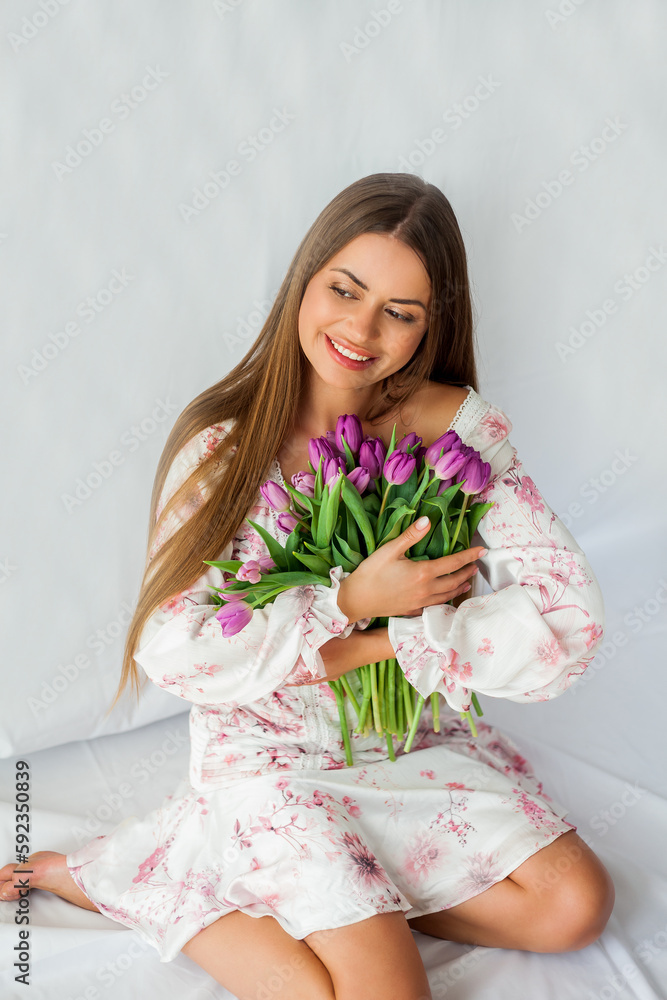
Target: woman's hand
x,y
388,583
358,648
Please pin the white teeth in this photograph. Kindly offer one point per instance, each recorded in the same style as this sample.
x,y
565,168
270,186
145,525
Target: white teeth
x,y
348,354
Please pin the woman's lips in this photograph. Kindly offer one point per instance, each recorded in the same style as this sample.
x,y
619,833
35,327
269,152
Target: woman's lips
x,y
345,361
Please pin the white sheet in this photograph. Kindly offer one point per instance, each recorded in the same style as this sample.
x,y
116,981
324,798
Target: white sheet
x,y
569,295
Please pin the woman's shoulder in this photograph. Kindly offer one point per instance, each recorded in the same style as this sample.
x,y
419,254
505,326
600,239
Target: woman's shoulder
x,y
204,442
197,448
476,420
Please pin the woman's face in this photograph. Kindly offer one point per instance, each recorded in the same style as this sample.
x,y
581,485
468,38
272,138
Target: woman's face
x,y
371,298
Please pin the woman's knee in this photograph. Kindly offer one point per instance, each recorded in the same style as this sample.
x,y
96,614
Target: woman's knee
x,y
573,895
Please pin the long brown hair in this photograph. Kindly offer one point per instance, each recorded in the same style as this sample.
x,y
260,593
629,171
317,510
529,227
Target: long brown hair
x,y
262,392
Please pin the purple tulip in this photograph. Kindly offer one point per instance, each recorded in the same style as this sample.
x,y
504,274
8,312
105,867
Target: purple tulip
x,y
231,595
399,467
449,464
304,482
477,474
266,563
250,571
348,426
287,522
372,454
331,469
443,443
408,441
444,485
233,617
419,454
331,438
319,446
360,478
275,495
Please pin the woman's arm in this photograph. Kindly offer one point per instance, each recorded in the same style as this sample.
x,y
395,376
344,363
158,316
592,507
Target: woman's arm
x,y
339,656
182,648
538,631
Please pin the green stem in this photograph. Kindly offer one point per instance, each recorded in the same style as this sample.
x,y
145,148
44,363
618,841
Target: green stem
x,y
473,698
471,722
365,700
435,705
350,693
381,693
466,497
384,500
390,745
415,722
407,700
400,717
337,689
392,695
374,698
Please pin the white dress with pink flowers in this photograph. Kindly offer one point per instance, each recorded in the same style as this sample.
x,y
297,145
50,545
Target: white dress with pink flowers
x,y
271,820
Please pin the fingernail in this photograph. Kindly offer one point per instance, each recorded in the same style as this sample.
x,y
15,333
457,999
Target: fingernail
x,y
421,522
483,552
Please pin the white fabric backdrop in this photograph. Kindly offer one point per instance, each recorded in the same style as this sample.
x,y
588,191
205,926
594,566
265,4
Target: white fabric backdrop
x,y
140,263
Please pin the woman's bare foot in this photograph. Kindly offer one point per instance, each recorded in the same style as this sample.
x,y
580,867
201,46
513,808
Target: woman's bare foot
x,y
47,870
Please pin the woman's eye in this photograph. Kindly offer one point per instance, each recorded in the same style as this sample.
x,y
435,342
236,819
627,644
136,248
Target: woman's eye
x,y
343,293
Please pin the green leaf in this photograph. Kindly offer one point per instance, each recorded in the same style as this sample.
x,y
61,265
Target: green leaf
x,y
299,498
340,558
419,548
475,514
332,510
352,555
444,501
384,517
354,503
320,537
351,532
300,579
349,457
446,537
464,539
318,479
314,563
290,545
435,547
324,552
276,551
371,503
394,528
229,565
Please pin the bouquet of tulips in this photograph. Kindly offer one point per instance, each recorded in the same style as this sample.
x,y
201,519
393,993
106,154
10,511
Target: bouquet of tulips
x,y
357,496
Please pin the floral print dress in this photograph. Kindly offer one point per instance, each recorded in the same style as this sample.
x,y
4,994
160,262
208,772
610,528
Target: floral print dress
x,y
270,819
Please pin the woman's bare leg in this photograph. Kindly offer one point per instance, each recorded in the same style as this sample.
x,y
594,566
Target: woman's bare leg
x,y
559,899
375,957
44,870
254,957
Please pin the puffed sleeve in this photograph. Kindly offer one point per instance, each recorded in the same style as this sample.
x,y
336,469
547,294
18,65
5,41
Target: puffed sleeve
x,y
182,648
537,632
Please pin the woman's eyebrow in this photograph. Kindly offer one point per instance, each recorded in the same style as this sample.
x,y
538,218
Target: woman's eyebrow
x,y
358,281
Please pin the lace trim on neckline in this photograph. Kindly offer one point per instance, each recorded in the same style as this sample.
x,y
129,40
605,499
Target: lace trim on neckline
x,y
468,413
281,482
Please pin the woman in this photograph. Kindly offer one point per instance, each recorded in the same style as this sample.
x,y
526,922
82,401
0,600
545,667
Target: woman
x,y
274,864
